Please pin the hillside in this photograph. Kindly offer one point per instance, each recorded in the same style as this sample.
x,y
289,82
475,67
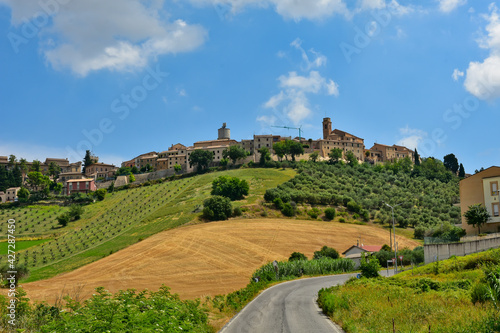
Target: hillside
x,y
424,197
207,259
122,219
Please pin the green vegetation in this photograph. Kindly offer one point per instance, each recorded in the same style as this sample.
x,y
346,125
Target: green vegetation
x,y
126,311
121,219
217,208
287,270
456,295
427,192
477,215
326,252
297,256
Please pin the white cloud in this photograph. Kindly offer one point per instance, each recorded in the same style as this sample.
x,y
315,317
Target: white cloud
x,y
333,88
290,9
411,137
182,92
318,60
447,6
275,101
483,78
313,84
124,34
456,74
267,120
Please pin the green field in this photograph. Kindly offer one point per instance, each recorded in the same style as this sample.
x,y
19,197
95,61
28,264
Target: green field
x,y
21,245
123,218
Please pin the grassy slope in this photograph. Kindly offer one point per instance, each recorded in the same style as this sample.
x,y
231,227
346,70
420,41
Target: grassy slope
x,y
437,295
126,217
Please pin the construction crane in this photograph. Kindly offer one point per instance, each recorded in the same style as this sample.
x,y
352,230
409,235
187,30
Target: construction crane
x,y
297,128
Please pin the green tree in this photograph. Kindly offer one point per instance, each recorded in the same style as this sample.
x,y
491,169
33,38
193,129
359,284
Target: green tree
x,y
63,219
100,194
131,178
23,194
87,161
477,215
451,163
265,155
56,187
297,256
177,168
230,187
416,157
35,166
75,212
327,252
111,187
330,213
54,170
201,158
461,171
217,208
370,266
281,149
294,148
314,156
335,155
351,158
38,182
23,165
134,170
12,161
234,153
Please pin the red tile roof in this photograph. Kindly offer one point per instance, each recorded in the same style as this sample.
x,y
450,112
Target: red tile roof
x,y
372,248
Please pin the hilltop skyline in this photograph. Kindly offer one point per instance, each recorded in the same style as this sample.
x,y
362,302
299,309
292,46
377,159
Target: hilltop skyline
x,y
149,74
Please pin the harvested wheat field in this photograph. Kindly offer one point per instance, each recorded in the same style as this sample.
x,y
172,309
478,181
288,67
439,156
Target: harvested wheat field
x,y
207,259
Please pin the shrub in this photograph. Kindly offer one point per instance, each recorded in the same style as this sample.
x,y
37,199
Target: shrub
x,y
480,293
369,267
217,208
342,220
297,256
278,203
63,219
353,206
326,252
131,178
75,212
237,211
230,187
288,210
314,213
330,213
100,194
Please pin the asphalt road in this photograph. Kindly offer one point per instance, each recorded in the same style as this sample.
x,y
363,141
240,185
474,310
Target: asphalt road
x,y
289,307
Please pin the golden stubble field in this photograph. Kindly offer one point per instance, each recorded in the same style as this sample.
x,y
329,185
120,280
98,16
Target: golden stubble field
x,y
207,259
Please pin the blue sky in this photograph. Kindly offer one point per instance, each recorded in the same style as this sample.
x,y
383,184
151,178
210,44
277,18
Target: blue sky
x,y
124,77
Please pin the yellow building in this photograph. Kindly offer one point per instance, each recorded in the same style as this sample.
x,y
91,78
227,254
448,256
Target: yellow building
x,y
482,188
340,139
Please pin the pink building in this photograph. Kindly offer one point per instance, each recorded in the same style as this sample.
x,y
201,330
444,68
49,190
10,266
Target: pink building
x,y
80,186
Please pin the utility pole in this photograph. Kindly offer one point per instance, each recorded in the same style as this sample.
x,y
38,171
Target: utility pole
x,y
394,232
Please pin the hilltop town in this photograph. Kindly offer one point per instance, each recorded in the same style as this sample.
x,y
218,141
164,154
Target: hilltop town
x,y
99,174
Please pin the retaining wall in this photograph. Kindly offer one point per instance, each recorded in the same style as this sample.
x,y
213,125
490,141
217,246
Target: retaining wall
x,y
435,252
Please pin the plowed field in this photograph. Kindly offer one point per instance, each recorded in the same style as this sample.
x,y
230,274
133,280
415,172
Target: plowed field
x,y
207,259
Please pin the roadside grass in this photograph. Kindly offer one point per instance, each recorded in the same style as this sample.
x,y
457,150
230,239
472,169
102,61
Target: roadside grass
x,y
433,298
122,219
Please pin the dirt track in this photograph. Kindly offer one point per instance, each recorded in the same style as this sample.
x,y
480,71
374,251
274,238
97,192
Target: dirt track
x,y
207,259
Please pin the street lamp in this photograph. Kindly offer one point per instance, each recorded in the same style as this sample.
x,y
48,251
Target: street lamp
x,y
394,232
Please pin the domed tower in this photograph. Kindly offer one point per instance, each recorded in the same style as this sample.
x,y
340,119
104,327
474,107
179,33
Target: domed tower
x,y
327,127
224,133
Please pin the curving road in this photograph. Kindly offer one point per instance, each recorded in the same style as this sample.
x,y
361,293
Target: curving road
x,y
288,308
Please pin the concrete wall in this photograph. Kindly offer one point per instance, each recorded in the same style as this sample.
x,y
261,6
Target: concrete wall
x,y
433,252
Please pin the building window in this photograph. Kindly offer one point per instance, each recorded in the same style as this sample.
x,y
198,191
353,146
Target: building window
x,y
495,208
494,188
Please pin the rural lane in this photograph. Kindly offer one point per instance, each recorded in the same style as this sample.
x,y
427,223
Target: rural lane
x,y
289,307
